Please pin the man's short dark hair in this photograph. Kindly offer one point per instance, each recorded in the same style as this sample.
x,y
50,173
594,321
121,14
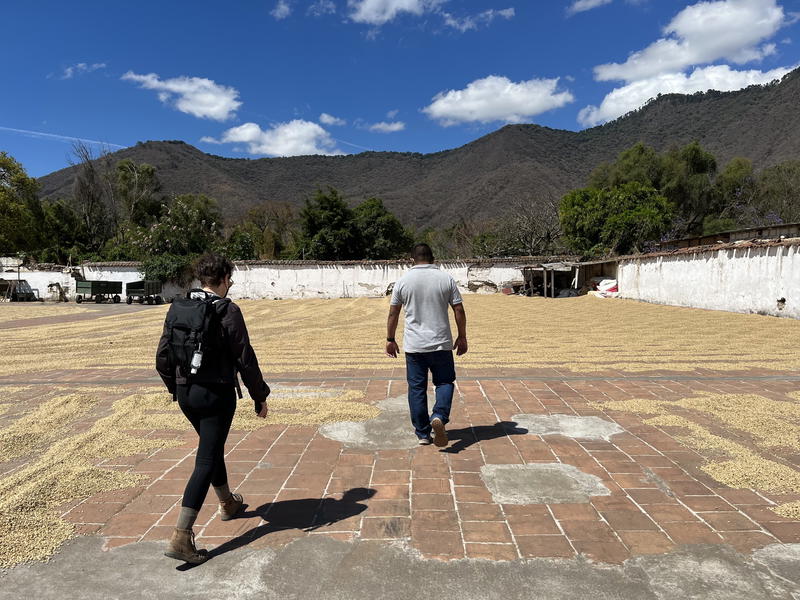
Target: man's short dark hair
x,y
422,253
211,269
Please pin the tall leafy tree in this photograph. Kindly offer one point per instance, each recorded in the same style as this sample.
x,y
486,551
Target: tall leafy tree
x,y
736,188
191,225
328,229
90,189
614,221
382,234
20,210
64,234
139,191
779,193
639,163
688,181
272,226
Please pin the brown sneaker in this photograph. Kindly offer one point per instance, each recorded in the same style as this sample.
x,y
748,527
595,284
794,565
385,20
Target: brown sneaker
x,y
439,434
229,508
181,547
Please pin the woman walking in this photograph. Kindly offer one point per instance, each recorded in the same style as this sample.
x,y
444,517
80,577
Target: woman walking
x,y
203,346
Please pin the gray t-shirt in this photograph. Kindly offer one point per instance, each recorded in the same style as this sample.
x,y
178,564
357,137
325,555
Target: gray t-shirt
x,y
426,293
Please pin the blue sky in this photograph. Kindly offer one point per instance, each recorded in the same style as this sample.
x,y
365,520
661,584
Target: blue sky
x,y
292,77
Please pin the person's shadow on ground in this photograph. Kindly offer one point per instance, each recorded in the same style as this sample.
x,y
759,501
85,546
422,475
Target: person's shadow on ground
x,y
464,438
306,514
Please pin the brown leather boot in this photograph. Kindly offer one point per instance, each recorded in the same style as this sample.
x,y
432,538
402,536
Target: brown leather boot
x,y
439,432
181,547
230,508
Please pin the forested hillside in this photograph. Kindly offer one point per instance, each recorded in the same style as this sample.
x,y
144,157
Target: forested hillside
x,y
481,179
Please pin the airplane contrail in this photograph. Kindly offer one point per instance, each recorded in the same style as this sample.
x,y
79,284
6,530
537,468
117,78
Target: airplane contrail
x,y
62,138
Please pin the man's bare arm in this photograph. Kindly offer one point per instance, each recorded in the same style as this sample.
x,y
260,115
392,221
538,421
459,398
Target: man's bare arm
x,y
460,345
391,329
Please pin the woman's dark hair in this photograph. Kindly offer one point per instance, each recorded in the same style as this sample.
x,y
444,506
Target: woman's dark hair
x,y
211,269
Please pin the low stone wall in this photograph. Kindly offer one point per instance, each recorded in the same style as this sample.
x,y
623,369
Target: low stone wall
x,y
750,278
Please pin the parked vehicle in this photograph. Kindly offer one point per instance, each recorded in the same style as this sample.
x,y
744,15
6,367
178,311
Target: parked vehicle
x,y
17,290
99,291
144,291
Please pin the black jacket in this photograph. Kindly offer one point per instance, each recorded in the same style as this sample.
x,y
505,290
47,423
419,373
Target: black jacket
x,y
236,354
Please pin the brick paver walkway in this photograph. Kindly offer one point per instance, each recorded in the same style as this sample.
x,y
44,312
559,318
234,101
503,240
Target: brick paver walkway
x,y
299,483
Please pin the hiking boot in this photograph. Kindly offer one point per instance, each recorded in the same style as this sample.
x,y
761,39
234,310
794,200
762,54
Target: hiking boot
x,y
439,434
229,508
181,547
425,441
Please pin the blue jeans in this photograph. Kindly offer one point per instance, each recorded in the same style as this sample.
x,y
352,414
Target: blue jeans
x,y
440,364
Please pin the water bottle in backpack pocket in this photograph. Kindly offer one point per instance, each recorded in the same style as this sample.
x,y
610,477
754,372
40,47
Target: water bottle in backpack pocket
x,y
194,332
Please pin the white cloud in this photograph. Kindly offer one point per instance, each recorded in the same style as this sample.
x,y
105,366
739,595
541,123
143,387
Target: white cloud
x,y
379,12
282,10
295,138
327,119
634,95
702,33
384,127
196,96
496,98
321,8
80,69
392,113
583,5
467,23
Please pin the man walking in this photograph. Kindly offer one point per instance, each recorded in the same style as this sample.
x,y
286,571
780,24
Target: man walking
x,y
426,293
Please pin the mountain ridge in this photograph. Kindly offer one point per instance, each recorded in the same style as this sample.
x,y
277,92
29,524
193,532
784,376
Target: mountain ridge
x,y
480,179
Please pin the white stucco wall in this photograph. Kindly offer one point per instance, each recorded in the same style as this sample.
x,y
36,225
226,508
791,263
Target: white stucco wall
x,y
746,280
41,279
344,281
116,273
287,280
291,280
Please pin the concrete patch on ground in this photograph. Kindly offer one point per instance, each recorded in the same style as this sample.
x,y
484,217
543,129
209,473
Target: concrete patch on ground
x,y
715,572
391,429
589,428
782,560
337,570
548,483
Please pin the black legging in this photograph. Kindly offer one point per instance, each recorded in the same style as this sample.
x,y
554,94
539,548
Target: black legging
x,y
210,409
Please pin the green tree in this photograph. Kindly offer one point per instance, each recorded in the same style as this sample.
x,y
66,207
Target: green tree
x,y
90,197
241,244
20,210
688,182
272,226
64,234
138,190
737,190
685,176
617,220
382,234
192,224
169,267
328,229
638,163
779,193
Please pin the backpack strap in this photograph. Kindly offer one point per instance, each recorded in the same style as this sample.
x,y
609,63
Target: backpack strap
x,y
221,306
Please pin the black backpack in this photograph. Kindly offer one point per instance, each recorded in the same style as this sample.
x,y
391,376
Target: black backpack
x,y
194,332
